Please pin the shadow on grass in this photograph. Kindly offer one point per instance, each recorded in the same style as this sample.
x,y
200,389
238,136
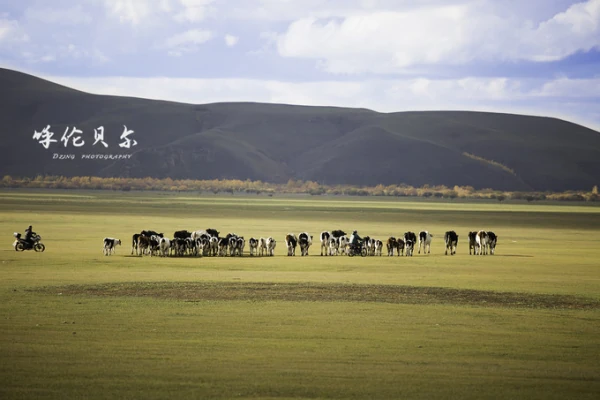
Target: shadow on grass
x,y
320,292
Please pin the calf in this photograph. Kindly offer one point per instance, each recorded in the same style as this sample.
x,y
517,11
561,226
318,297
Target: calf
x,y
425,241
291,241
325,238
109,245
271,243
473,242
451,240
253,245
481,239
304,241
492,239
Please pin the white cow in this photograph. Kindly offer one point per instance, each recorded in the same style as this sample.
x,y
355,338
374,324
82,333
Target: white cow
x,y
343,245
425,241
164,246
481,241
262,246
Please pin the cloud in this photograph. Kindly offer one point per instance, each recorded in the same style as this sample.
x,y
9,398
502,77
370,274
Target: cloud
x,y
194,10
186,42
390,41
133,12
54,16
11,31
231,40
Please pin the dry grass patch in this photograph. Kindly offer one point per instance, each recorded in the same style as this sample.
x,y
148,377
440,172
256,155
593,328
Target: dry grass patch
x,y
319,292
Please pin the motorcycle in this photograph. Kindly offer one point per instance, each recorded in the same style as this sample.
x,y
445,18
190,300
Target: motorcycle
x,y
21,244
357,249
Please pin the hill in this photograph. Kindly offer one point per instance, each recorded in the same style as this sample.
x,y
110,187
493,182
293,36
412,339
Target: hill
x,y
275,142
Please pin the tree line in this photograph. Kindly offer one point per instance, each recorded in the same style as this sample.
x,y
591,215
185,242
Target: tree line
x,y
293,186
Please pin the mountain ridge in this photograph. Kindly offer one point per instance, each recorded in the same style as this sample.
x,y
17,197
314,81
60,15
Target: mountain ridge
x,y
278,142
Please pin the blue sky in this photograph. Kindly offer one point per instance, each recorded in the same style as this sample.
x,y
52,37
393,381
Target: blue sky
x,y
536,57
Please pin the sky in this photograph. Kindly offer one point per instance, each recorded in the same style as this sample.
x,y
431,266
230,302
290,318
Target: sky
x,y
533,57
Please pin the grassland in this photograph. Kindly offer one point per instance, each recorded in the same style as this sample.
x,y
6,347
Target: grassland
x,y
76,324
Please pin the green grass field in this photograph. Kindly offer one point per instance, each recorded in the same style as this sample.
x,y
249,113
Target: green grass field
x,y
524,323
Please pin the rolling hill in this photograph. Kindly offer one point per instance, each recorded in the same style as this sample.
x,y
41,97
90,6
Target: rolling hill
x,y
276,142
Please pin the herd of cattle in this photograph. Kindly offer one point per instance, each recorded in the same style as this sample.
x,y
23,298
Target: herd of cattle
x,y
207,242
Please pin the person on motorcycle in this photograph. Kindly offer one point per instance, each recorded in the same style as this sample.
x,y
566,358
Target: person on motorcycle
x,y
28,235
355,239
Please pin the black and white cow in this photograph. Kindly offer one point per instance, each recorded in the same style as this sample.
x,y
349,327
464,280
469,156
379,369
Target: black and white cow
x,y
400,246
378,247
325,238
253,245
304,241
239,248
180,246
233,242
481,239
224,243
369,244
473,242
410,236
492,239
202,246
271,244
109,245
409,246
391,245
425,241
147,245
334,246
451,240
344,242
134,242
337,233
291,241
182,234
213,246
